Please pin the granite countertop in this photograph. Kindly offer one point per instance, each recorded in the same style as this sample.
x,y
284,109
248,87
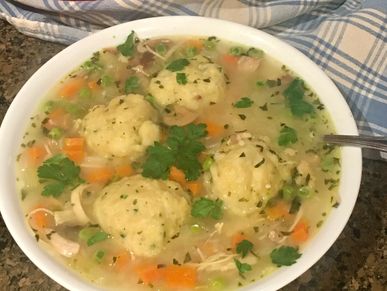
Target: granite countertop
x,y
357,260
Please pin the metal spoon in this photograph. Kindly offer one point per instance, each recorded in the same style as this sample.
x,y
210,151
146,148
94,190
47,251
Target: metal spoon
x,y
371,142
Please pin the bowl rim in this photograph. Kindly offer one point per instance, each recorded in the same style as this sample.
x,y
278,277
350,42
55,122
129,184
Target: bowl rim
x,y
25,103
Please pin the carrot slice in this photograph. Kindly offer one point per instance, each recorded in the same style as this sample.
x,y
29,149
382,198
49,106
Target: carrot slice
x,y
230,59
98,175
236,239
36,154
121,261
195,187
279,210
71,88
180,276
41,219
177,175
197,43
214,129
73,147
124,171
148,273
58,118
300,232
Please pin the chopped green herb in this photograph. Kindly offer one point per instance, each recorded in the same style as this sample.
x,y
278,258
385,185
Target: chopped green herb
x,y
99,255
181,149
131,84
284,256
210,43
260,83
177,65
205,207
191,52
161,48
288,192
127,49
97,237
242,116
58,173
244,102
85,93
151,99
244,247
273,83
263,107
287,136
329,163
181,78
295,206
295,98
242,267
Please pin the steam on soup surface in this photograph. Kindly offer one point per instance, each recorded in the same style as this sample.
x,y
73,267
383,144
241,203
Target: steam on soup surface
x,y
178,163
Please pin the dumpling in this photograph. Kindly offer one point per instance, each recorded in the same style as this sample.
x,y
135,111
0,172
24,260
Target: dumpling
x,y
142,214
123,128
205,84
245,174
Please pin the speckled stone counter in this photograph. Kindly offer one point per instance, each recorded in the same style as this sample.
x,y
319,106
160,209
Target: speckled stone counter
x,y
357,261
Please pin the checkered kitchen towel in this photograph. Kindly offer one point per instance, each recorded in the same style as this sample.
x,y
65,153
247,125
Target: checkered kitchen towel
x,y
346,38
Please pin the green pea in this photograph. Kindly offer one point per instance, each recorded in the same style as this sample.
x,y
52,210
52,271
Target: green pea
x,y
304,192
55,133
196,228
288,192
216,284
236,51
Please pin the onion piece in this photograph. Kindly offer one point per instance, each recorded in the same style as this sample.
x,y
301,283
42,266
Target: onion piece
x,y
66,217
76,203
63,246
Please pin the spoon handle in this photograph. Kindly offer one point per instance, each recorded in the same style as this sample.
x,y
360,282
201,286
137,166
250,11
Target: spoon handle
x,y
371,142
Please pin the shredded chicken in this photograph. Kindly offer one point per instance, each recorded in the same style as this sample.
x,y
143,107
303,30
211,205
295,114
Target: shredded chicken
x,y
217,262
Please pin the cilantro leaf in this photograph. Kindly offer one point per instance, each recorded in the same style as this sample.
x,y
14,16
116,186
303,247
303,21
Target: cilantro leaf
x,y
127,49
58,173
295,97
97,237
242,267
131,84
160,159
284,256
244,247
181,149
244,102
177,65
205,207
181,78
287,136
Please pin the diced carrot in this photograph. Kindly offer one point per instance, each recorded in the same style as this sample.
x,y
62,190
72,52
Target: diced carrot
x,y
236,239
149,273
124,171
197,43
74,148
71,88
121,261
180,276
93,85
195,187
177,175
98,175
279,210
76,156
41,219
230,59
58,118
300,232
36,154
214,129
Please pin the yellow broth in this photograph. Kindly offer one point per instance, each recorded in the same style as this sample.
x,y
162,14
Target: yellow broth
x,y
207,247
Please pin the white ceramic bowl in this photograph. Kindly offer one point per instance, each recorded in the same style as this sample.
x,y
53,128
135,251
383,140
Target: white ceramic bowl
x,y
26,101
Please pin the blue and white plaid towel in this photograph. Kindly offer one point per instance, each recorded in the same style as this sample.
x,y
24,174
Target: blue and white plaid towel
x,y
346,38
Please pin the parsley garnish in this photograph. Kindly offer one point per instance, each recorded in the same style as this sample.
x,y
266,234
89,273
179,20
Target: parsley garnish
x,y
287,136
244,247
58,173
242,267
284,256
205,207
127,49
181,149
181,78
244,102
97,237
131,84
295,97
178,65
